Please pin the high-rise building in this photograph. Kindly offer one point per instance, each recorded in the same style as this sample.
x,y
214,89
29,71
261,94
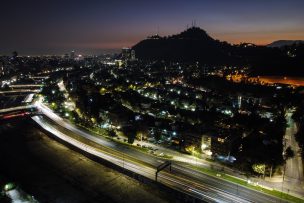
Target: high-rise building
x,y
240,102
133,56
126,53
72,55
1,69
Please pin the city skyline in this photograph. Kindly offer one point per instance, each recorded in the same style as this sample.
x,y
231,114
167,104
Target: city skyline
x,y
59,27
152,101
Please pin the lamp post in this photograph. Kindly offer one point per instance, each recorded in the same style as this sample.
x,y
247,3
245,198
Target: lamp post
x,y
283,182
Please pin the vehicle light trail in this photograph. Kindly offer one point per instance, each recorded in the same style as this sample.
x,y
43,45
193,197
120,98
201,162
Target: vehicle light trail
x,y
146,171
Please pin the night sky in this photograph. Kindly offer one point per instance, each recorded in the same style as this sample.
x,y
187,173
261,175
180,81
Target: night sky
x,y
91,26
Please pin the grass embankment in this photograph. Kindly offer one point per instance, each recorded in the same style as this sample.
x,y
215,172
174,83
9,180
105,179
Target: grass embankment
x,y
104,133
246,184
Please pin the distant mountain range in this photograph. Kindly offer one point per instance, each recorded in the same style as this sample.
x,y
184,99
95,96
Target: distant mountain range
x,y
281,43
195,45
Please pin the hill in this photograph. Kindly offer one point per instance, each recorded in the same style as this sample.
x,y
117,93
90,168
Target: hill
x,y
193,44
282,43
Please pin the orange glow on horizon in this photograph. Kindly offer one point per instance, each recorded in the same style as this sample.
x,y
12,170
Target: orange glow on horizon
x,y
258,38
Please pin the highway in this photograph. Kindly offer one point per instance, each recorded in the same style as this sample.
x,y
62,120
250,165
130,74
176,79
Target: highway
x,y
25,86
16,103
181,178
199,191
25,107
11,100
19,91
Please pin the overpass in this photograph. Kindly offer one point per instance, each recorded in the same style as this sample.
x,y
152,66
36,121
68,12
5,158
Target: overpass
x,y
17,108
19,91
25,86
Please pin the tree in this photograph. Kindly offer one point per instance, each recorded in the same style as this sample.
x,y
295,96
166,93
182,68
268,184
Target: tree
x,y
15,54
112,133
289,153
5,199
299,118
130,132
157,135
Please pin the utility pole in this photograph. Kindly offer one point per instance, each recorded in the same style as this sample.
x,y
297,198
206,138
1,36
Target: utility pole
x,y
237,189
161,167
283,181
123,160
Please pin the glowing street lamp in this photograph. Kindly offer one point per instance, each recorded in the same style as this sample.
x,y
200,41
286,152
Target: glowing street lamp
x,y
204,146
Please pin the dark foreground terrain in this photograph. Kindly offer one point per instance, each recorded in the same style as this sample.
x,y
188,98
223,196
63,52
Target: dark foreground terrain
x,y
52,172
